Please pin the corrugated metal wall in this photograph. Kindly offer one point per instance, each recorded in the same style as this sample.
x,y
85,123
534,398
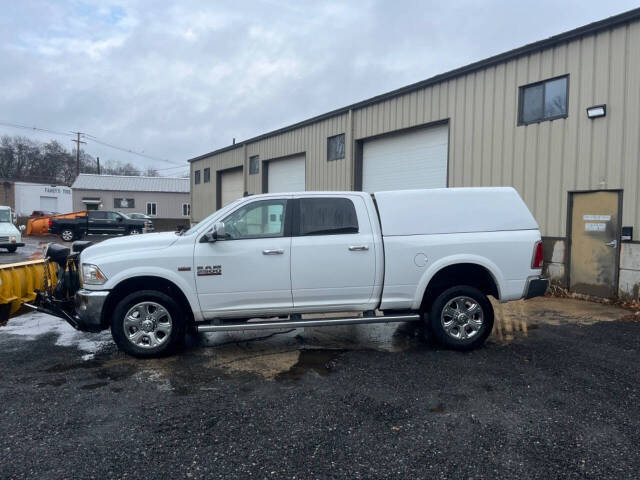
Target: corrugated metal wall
x,y
312,141
543,161
203,196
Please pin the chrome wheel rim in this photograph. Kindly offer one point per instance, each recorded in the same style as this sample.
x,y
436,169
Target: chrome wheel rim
x,y
147,325
67,235
462,318
134,232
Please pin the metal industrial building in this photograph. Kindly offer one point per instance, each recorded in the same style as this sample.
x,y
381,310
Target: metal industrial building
x,y
557,119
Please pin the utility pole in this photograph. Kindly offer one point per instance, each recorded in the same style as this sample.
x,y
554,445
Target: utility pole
x,y
78,142
98,160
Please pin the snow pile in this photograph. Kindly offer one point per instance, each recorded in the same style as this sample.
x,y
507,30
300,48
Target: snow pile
x,y
31,325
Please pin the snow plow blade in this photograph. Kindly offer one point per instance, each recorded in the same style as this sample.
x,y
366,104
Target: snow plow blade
x,y
19,283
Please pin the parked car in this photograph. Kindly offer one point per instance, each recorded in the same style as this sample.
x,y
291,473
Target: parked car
x,y
95,222
141,216
138,216
10,236
418,255
42,213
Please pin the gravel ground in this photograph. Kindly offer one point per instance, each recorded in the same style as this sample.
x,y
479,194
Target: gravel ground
x,y
554,394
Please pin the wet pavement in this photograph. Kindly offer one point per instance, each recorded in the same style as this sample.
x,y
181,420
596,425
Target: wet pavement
x,y
555,393
34,248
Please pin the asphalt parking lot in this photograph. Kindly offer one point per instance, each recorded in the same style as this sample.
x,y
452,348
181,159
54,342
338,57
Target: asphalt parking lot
x,y
554,394
33,248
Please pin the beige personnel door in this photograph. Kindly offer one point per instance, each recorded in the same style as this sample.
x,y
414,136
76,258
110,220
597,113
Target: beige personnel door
x,y
594,242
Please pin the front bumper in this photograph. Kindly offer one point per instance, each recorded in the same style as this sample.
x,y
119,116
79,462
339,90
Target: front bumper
x,y
10,244
89,305
536,287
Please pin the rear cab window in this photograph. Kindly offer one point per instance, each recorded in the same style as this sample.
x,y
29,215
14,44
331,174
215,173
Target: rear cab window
x,y
326,216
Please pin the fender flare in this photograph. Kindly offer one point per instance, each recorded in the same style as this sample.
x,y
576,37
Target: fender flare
x,y
433,269
165,274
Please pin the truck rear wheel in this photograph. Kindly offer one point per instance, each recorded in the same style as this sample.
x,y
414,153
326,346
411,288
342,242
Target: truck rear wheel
x,y
148,324
461,318
68,235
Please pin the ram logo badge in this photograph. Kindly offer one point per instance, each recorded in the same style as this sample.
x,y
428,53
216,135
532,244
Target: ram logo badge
x,y
204,270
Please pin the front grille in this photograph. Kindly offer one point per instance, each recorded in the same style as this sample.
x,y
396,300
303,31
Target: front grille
x,y
4,239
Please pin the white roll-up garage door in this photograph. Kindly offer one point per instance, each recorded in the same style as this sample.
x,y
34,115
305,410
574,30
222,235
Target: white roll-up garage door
x,y
416,159
231,186
286,175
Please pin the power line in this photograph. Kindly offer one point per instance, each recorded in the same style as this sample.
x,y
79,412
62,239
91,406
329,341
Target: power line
x,y
90,137
37,129
127,150
171,168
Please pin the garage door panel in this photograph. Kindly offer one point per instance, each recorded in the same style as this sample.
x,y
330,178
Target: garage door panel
x,y
287,175
416,159
231,186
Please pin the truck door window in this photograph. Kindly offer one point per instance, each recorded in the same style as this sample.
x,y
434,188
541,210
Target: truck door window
x,y
262,219
327,216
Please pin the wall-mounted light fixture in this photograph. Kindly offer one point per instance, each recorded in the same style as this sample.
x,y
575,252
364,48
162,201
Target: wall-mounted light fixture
x,y
597,111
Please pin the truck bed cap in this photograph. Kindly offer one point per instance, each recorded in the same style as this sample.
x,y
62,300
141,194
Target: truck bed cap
x,y
452,210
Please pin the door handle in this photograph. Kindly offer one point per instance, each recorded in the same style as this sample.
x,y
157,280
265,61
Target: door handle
x,y
612,243
358,248
275,251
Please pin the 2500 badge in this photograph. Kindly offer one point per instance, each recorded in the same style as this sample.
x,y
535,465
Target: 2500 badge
x,y
204,270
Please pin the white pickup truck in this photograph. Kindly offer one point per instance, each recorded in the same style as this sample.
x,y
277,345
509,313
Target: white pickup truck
x,y
264,261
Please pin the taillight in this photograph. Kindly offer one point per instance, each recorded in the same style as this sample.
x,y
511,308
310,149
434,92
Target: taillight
x,y
50,223
537,256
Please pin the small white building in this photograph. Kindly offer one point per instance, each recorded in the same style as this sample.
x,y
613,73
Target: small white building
x,y
37,196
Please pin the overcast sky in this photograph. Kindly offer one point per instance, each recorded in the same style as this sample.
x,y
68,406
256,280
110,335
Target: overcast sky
x,y
179,79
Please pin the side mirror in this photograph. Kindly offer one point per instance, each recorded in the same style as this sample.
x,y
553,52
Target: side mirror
x,y
119,219
218,233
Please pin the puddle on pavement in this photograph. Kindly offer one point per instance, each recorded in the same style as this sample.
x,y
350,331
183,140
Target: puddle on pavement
x,y
318,361
517,319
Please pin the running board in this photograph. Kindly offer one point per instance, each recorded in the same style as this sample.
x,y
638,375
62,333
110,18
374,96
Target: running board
x,y
312,322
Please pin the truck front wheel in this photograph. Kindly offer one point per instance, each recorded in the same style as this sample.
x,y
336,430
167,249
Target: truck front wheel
x,y
68,235
148,324
461,318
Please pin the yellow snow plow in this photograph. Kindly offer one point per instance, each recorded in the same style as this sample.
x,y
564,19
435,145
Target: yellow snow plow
x,y
19,283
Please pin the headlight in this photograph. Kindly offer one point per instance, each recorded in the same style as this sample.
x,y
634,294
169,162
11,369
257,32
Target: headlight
x,y
91,275
13,239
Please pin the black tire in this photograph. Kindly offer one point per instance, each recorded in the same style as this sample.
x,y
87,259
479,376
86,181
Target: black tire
x,y
68,235
121,333
12,249
135,231
475,331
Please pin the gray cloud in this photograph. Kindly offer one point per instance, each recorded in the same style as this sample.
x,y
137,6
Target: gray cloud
x,y
178,79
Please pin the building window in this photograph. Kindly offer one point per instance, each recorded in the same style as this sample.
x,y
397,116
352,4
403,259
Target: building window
x,y
124,203
196,177
152,208
542,101
186,209
254,164
335,147
207,175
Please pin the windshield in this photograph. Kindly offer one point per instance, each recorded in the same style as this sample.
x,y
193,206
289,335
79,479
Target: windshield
x,y
5,216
